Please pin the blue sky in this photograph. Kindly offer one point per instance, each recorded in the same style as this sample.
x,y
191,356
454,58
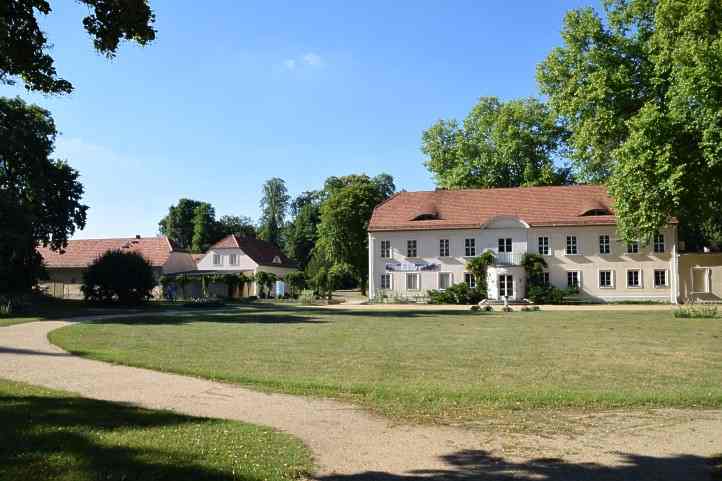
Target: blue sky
x,y
229,96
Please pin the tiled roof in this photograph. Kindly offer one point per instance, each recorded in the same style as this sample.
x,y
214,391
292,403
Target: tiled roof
x,y
81,253
472,208
263,253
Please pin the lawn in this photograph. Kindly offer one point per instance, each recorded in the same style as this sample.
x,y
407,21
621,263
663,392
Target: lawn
x,y
55,436
433,366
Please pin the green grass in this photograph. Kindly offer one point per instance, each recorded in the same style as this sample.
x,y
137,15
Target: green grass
x,y
55,436
435,366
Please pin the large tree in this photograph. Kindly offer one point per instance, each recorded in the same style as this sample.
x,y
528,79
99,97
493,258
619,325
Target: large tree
x,y
178,223
234,224
640,90
274,205
500,144
302,232
40,197
204,227
345,213
24,47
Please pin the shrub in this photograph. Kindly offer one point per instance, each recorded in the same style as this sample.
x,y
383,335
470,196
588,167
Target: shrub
x,y
296,281
530,308
697,312
307,297
548,294
475,307
456,294
488,308
117,276
507,309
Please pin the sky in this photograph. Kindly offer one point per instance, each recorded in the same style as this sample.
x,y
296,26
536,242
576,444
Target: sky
x,y
233,93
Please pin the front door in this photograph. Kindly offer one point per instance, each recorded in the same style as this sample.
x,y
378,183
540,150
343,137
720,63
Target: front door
x,y
506,286
700,280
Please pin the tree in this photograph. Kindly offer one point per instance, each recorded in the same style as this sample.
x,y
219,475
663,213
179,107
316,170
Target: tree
x,y
301,233
40,198
342,232
23,46
478,267
232,224
295,281
274,204
265,282
534,265
178,224
117,276
500,144
204,224
640,95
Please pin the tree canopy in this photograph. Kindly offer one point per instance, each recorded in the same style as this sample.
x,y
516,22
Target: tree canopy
x,y
40,197
24,46
641,93
274,205
500,144
301,233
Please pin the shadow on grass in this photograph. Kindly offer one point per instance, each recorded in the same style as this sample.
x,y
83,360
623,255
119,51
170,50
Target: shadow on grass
x,y
63,438
482,466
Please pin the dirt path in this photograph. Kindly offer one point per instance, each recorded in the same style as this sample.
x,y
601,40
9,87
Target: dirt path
x,y
350,444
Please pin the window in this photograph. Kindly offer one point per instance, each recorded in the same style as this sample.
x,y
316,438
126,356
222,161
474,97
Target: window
x,y
469,247
504,245
385,249
412,281
444,248
545,279
277,260
604,247
660,278
544,246
233,259
572,245
445,280
470,280
573,280
659,243
217,260
506,286
386,281
411,248
634,278
633,247
605,279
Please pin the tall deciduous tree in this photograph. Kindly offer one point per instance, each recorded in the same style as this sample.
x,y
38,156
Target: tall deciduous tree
x,y
204,227
274,205
640,94
342,232
23,46
500,144
40,198
234,224
178,223
302,232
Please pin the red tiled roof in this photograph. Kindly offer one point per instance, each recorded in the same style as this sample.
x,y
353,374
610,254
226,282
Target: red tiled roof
x,y
81,253
260,251
472,208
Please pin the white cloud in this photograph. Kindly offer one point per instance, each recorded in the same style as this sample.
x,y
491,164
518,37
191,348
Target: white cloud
x,y
312,59
309,59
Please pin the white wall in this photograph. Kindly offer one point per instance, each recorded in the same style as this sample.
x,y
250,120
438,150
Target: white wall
x,y
244,261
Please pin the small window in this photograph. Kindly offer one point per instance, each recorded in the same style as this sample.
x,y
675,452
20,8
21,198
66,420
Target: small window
x,y
470,247
445,280
633,247
634,278
386,281
470,280
385,249
444,248
412,282
545,279
572,245
505,245
604,246
660,278
605,279
233,259
573,280
411,250
544,246
217,260
659,243
277,260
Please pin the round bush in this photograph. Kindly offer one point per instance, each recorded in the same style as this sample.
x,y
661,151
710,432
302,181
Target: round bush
x,y
117,276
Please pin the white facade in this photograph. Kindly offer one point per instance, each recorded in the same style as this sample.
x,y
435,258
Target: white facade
x,y
615,275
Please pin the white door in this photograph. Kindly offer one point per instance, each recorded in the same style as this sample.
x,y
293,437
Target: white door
x,y
506,286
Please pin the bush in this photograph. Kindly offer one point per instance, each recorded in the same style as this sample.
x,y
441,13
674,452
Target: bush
x,y
456,294
697,312
548,294
117,276
487,308
530,308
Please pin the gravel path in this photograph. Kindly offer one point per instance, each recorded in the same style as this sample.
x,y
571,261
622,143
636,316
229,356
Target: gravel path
x,y
351,444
